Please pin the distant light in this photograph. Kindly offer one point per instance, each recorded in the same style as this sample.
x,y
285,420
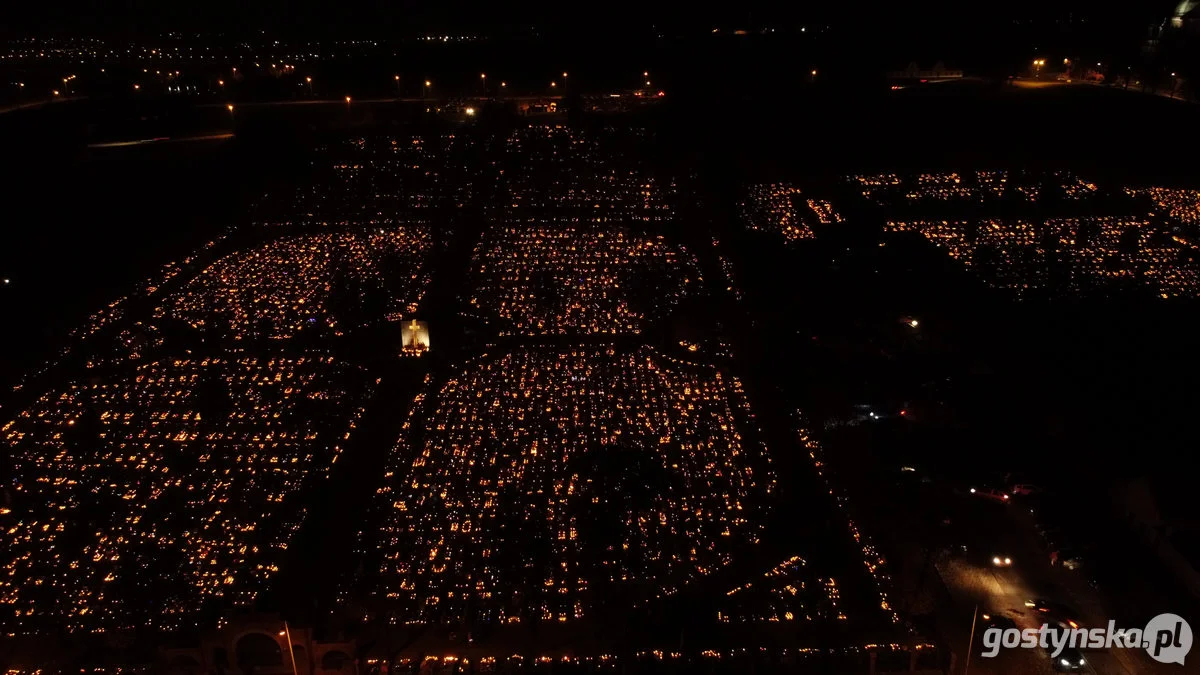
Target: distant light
x,y
7,282
347,99
308,79
483,76
470,111
503,84
913,323
230,107
55,92
397,78
553,84
220,83
564,76
972,490
662,93
137,86
814,72
428,83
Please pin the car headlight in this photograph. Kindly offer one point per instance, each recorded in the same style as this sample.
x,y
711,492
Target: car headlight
x,y
1008,561
996,561
1064,662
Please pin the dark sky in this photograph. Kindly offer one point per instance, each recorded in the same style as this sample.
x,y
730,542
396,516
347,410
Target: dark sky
x,y
402,16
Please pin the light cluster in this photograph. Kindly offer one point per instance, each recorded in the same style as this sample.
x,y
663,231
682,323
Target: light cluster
x,y
380,182
541,484
146,500
551,172
873,560
1179,204
890,189
284,286
568,277
782,209
1072,256
786,592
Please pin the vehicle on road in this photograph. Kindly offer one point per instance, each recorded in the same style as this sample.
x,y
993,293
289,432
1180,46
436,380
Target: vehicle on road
x,y
1054,610
1001,561
1068,660
992,619
991,493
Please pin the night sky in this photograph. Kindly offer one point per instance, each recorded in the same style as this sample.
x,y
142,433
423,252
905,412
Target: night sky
x,y
380,19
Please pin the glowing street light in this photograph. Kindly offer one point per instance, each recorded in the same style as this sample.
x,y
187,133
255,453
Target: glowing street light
x,y
425,91
397,78
470,111
229,107
347,100
553,85
136,87
220,83
308,81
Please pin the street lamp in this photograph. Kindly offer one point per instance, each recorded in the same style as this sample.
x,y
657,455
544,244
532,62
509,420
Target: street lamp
x,y
425,91
286,632
308,80
553,85
397,78
347,100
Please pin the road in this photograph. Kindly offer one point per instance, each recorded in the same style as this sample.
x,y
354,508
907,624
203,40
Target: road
x,y
974,582
413,99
